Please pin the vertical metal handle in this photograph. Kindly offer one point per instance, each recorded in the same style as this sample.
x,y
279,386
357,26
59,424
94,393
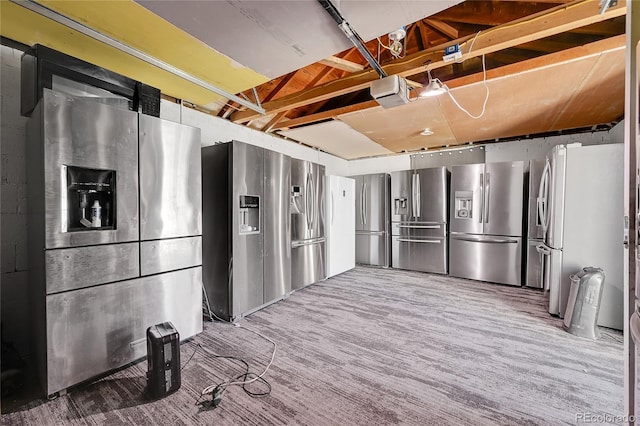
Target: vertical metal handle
x,y
543,197
487,197
418,201
414,197
364,202
307,195
480,218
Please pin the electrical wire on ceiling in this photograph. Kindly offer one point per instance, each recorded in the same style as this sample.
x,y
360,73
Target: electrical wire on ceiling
x,y
435,86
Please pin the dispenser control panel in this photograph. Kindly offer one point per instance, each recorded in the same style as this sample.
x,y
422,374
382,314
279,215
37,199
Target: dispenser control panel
x,y
463,204
249,219
90,199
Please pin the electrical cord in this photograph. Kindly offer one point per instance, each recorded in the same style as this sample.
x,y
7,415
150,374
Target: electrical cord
x,y
486,98
246,378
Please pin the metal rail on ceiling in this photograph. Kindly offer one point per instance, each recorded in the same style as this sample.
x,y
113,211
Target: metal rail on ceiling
x,y
96,35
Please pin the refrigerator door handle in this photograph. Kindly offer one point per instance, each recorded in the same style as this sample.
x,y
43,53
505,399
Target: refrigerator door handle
x,y
480,218
296,244
543,249
543,195
364,203
487,195
307,193
414,207
418,205
420,226
420,241
483,240
634,327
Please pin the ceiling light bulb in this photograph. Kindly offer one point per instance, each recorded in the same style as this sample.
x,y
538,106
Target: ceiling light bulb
x,y
396,48
433,88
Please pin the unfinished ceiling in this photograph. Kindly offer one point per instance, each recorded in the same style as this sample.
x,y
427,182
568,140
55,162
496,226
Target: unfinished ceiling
x,y
551,65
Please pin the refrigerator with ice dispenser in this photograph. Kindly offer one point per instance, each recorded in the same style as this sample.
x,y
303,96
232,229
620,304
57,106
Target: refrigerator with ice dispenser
x,y
485,242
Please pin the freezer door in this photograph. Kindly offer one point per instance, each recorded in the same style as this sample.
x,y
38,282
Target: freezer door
x,y
534,267
372,248
248,255
277,226
430,195
534,223
307,263
486,258
503,195
401,196
420,254
341,239
170,179
467,197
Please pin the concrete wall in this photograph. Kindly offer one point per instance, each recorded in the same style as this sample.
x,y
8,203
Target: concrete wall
x,y
13,201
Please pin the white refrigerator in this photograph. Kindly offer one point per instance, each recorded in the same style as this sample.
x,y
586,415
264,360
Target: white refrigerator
x,y
341,219
581,210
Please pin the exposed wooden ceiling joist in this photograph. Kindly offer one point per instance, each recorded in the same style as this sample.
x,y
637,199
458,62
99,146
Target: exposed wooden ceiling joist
x,y
520,67
444,28
342,64
552,21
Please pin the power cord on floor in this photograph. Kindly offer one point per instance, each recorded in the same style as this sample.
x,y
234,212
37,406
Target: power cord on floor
x,y
246,378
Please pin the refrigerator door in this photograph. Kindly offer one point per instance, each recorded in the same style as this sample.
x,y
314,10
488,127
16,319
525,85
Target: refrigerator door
x,y
503,195
373,200
430,195
475,257
247,257
534,223
401,196
372,248
467,198
170,194
553,280
340,215
556,196
85,133
277,226
301,200
419,254
535,262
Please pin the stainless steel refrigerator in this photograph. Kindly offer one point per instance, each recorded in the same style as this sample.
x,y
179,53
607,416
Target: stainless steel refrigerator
x,y
115,222
486,222
307,223
246,228
535,235
373,236
581,194
419,219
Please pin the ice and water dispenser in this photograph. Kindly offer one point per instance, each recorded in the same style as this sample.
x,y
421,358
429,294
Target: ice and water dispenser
x,y
90,199
463,204
249,214
400,206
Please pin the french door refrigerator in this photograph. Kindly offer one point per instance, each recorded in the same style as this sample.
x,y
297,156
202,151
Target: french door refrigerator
x,y
485,242
307,224
373,237
581,192
341,225
535,234
419,219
